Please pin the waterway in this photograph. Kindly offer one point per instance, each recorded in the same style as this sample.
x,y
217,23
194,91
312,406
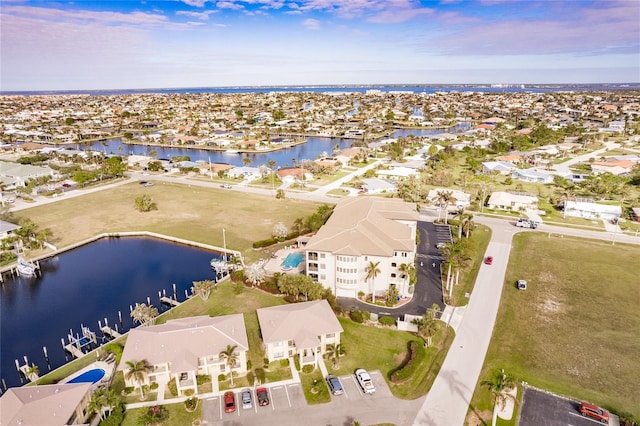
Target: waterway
x,y
87,285
312,149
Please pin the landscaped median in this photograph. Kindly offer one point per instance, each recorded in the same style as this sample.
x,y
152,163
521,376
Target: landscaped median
x,y
573,331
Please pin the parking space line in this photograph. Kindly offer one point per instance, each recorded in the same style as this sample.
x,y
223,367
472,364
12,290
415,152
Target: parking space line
x,y
344,389
273,405
286,391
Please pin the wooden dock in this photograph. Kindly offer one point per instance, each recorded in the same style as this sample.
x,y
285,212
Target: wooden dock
x,y
169,301
110,332
73,350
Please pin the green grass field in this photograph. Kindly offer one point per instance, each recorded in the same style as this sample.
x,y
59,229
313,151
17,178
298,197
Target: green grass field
x,y
193,213
574,331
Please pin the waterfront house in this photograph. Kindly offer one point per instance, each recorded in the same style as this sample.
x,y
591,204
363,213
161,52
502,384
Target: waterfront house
x,y
360,231
378,186
246,173
589,209
302,329
51,405
7,228
183,348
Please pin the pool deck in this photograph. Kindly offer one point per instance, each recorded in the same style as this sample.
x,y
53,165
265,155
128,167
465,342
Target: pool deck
x,y
274,264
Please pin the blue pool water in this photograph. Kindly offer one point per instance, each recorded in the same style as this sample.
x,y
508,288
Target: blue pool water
x,y
293,260
91,376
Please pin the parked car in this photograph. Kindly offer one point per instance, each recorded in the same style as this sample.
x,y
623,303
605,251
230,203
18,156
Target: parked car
x,y
364,380
263,396
334,385
225,186
594,412
245,397
489,260
526,223
521,285
229,402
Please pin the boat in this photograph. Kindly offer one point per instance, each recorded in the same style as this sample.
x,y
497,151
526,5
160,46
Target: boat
x,y
24,268
232,151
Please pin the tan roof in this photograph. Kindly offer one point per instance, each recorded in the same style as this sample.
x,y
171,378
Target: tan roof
x,y
366,226
44,405
301,322
182,341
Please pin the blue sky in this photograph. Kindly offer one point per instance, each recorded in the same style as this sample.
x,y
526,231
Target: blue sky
x,y
59,45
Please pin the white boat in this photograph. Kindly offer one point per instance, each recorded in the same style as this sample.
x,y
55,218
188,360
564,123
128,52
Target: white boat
x,y
232,151
26,269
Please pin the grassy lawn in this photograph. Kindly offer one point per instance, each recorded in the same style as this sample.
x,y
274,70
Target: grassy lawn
x,y
178,416
184,211
574,331
479,241
315,388
362,344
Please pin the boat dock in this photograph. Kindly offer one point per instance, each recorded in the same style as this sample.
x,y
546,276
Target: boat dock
x,y
77,353
169,301
110,332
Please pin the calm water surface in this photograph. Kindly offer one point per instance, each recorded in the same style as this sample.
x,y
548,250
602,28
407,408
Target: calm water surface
x,y
85,285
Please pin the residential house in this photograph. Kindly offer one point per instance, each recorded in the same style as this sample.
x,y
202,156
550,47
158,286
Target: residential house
x,y
398,173
7,228
378,186
302,329
14,174
502,167
183,348
613,166
246,173
51,405
461,199
362,230
512,201
294,174
588,209
532,175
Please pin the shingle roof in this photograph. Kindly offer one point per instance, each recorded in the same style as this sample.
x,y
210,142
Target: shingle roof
x,y
182,341
44,405
301,322
366,226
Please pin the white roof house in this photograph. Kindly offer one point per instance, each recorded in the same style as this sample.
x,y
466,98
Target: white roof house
x,y
182,348
50,405
532,175
398,173
378,186
591,210
303,329
247,173
510,201
7,228
502,167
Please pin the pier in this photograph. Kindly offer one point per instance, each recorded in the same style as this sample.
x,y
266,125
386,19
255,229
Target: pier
x,y
169,301
110,332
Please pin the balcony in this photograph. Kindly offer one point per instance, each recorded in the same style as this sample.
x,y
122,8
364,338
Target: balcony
x,y
312,257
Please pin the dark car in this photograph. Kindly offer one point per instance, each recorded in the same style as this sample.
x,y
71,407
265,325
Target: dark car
x,y
334,385
229,402
594,412
488,260
263,396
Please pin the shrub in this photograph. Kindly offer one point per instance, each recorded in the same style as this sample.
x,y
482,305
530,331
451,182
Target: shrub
x,y
251,378
153,386
260,375
128,389
264,243
356,316
366,315
201,379
248,364
390,321
284,362
407,368
173,389
190,404
265,363
308,368
222,377
296,363
115,418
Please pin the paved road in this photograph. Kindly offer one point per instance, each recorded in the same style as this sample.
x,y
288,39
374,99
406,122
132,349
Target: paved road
x,y
450,396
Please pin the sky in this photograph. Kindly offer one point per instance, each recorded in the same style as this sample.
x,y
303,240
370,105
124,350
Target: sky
x,y
126,44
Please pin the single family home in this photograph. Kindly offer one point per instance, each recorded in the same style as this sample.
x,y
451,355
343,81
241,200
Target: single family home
x,y
512,201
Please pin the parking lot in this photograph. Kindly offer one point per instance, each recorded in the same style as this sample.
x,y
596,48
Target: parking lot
x,y
288,405
544,409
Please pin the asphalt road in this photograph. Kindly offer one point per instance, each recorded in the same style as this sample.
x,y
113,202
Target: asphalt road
x,y
544,409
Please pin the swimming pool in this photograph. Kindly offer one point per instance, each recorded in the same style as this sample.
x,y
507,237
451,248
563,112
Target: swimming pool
x,y
293,260
90,376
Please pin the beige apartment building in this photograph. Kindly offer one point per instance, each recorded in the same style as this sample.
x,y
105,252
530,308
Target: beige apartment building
x,y
362,230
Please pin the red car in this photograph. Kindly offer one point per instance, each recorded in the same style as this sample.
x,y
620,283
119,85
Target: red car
x,y
488,260
229,402
596,413
263,396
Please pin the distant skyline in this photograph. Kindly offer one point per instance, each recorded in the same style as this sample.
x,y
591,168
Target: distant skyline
x,y
94,45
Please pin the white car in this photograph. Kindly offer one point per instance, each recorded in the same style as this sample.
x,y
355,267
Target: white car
x,y
364,380
521,284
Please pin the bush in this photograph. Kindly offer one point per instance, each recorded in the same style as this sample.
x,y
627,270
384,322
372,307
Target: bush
x,y
356,316
296,363
153,386
222,377
173,389
265,363
128,389
260,375
251,378
284,362
248,364
237,276
264,243
190,404
407,369
366,315
390,321
201,379
115,418
308,369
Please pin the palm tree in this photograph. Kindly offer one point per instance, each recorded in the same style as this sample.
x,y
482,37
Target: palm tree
x,y
137,371
459,215
499,387
202,288
445,198
246,161
102,401
468,224
230,358
372,271
404,270
143,314
334,352
428,323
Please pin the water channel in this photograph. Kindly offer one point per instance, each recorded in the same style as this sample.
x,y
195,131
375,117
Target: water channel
x,y
87,285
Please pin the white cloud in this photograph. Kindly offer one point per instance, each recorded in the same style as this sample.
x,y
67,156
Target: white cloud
x,y
312,24
198,15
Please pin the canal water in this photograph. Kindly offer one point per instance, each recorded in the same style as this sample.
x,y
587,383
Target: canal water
x,y
312,149
87,285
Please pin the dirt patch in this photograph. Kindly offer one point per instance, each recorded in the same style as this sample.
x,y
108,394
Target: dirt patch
x,y
475,418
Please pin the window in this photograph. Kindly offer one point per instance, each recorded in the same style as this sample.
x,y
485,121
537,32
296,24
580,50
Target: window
x,y
393,275
278,355
292,343
323,277
323,255
393,264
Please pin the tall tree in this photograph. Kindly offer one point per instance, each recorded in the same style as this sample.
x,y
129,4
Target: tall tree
x,y
333,352
499,386
202,288
372,271
137,370
230,359
428,323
